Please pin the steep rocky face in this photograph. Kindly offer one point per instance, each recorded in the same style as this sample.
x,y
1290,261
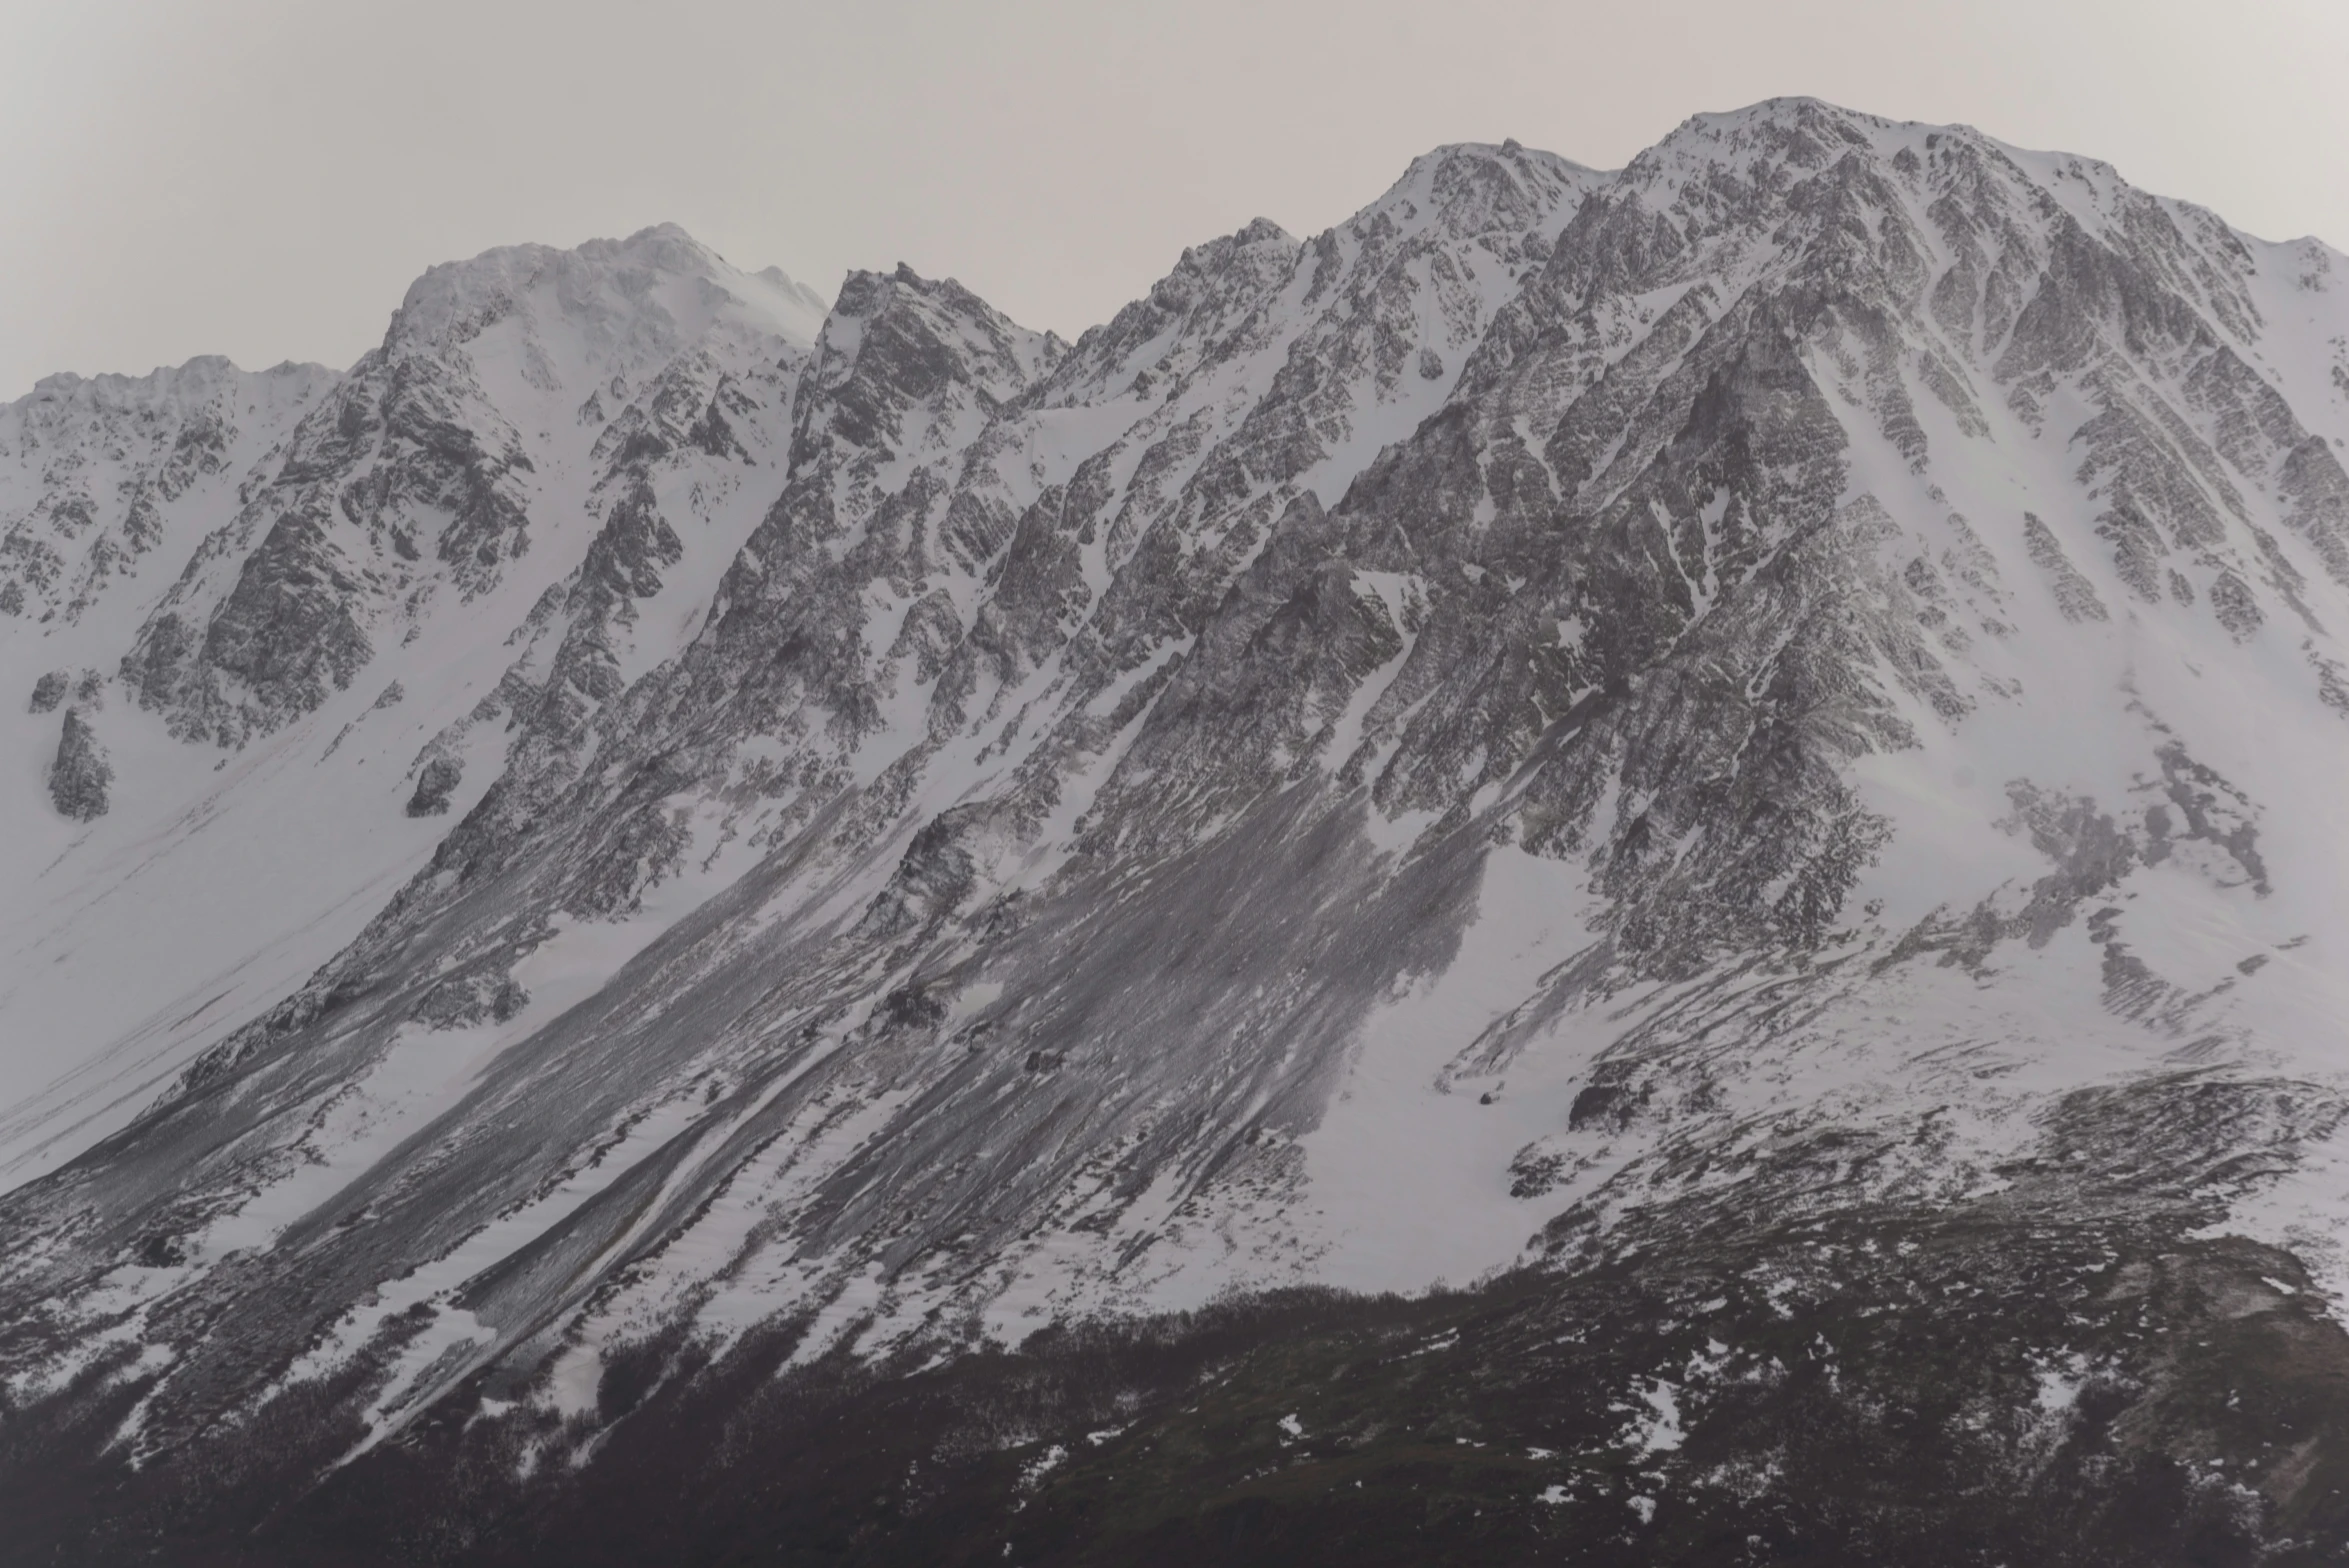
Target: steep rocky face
x,y
1750,735
114,479
410,489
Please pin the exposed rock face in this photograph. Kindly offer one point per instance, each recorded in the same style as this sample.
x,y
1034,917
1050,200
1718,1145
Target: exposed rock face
x,y
410,488
80,775
115,478
433,783
1745,734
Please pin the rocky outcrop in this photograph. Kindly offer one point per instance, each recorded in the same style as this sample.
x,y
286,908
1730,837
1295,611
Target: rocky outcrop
x,y
434,781
81,774
102,477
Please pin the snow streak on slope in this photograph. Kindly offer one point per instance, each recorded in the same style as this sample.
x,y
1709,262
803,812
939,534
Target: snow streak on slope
x,y
1568,702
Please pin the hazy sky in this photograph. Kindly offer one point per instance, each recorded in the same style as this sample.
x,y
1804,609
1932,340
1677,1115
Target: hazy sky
x,y
262,178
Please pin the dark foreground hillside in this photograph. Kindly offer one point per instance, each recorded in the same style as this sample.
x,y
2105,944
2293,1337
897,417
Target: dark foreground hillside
x,y
2000,1385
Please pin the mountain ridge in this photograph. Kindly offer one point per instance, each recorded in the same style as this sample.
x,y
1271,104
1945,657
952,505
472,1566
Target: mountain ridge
x,y
1574,723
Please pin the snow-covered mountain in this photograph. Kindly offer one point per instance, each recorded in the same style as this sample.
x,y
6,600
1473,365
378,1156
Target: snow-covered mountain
x,y
541,465
1742,751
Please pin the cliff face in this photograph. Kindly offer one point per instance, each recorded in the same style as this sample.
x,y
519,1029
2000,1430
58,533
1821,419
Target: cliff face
x,y
1740,748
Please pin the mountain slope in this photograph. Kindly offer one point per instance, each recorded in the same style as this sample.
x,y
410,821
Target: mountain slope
x,y
1690,732
268,711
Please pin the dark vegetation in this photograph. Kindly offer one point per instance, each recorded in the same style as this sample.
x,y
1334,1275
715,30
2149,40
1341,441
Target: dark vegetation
x,y
1966,1387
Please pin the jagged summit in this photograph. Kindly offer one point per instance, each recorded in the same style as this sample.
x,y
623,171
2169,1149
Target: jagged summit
x,y
1740,749
109,478
1468,171
643,295
198,376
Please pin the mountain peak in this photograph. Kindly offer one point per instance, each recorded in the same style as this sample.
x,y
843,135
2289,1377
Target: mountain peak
x,y
1741,751
1263,231
655,289
200,377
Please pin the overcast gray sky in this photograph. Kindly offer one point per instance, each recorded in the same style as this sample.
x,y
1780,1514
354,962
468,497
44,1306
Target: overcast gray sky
x,y
261,178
